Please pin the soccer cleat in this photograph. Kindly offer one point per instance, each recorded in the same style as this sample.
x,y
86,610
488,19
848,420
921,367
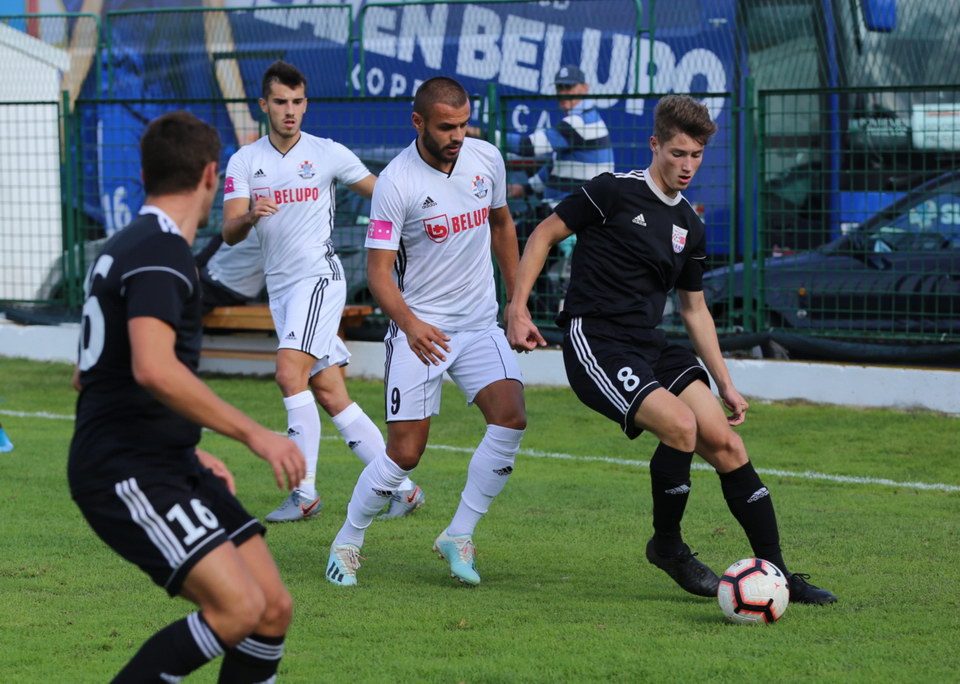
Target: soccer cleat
x,y
297,506
801,591
687,571
460,552
404,503
343,564
7,445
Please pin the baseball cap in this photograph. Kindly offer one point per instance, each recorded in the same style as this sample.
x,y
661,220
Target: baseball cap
x,y
569,75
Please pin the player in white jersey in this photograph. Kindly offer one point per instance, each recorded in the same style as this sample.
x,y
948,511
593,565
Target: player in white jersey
x,y
291,177
438,210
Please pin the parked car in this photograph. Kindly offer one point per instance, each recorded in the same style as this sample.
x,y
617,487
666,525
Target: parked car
x,y
897,273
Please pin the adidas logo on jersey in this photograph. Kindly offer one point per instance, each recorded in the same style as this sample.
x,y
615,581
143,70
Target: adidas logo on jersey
x,y
259,174
291,335
427,203
639,220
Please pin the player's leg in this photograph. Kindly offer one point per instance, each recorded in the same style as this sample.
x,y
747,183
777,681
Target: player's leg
x,y
612,371
179,533
487,372
412,392
747,498
256,658
294,317
360,433
406,441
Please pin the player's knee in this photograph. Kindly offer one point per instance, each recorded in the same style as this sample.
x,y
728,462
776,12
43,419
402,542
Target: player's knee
x,y
680,431
278,611
407,459
515,421
240,618
726,450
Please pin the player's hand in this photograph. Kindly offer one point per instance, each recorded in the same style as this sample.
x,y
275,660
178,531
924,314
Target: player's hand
x,y
426,341
522,334
218,468
282,454
262,206
736,404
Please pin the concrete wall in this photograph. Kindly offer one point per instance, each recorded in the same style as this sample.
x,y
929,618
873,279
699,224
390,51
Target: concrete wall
x,y
842,384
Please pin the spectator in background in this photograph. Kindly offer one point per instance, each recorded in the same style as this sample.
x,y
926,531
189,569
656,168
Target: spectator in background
x,y
231,275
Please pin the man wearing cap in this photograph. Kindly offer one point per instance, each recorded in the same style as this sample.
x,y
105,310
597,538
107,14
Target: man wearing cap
x,y
576,149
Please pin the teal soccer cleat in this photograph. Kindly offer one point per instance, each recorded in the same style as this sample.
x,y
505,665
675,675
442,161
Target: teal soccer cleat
x,y
460,552
343,564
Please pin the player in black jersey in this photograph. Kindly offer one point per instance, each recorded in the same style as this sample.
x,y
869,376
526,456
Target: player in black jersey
x,y
637,239
134,468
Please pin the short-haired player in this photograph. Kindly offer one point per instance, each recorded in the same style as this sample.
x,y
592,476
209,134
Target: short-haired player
x,y
637,239
134,467
283,186
439,208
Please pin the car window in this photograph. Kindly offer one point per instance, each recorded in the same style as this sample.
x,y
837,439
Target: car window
x,y
932,223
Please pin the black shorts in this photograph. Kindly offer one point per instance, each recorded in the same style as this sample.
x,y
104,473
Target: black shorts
x,y
165,526
612,368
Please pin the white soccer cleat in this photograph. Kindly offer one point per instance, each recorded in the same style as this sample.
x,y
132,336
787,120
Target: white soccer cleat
x,y
297,506
403,503
343,564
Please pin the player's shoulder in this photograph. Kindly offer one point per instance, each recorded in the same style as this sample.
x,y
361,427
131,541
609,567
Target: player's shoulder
x,y
689,213
405,163
483,150
150,242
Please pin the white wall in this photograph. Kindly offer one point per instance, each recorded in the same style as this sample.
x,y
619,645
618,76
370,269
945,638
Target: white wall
x,y
30,225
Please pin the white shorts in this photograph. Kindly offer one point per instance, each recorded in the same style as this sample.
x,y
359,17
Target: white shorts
x,y
477,358
307,317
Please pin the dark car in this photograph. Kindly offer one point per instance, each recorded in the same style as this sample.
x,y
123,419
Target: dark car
x,y
895,275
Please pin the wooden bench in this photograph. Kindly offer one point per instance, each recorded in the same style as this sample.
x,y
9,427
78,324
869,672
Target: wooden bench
x,y
256,317
227,322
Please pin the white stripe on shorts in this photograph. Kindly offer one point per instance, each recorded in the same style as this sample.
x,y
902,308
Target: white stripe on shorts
x,y
141,510
593,369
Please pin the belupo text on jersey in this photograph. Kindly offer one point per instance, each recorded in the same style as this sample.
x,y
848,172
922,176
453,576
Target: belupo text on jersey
x,y
438,228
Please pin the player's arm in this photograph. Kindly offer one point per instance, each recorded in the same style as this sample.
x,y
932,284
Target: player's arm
x,y
503,243
239,217
522,334
157,369
698,321
364,186
218,468
423,338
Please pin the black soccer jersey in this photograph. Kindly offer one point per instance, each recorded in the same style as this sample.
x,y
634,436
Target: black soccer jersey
x,y
146,269
634,245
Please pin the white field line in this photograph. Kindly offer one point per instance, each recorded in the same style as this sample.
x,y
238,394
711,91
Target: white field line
x,y
534,453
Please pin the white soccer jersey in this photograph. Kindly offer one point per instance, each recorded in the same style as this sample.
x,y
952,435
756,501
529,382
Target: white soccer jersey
x,y
439,226
296,241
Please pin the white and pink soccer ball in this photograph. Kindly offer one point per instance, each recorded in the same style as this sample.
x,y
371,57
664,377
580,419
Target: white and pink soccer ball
x,y
753,591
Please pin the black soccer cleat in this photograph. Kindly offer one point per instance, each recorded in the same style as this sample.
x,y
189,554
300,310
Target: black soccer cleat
x,y
801,591
687,571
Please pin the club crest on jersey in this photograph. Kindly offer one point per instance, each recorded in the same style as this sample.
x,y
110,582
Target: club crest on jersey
x,y
306,170
679,238
228,184
437,228
480,188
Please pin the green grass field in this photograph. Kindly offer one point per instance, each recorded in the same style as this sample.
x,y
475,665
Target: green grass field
x,y
566,593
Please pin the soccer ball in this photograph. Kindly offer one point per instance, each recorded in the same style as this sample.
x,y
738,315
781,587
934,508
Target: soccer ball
x,y
753,591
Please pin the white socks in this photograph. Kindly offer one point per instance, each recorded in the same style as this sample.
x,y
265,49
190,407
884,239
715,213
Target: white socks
x,y
363,437
303,427
376,483
487,475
